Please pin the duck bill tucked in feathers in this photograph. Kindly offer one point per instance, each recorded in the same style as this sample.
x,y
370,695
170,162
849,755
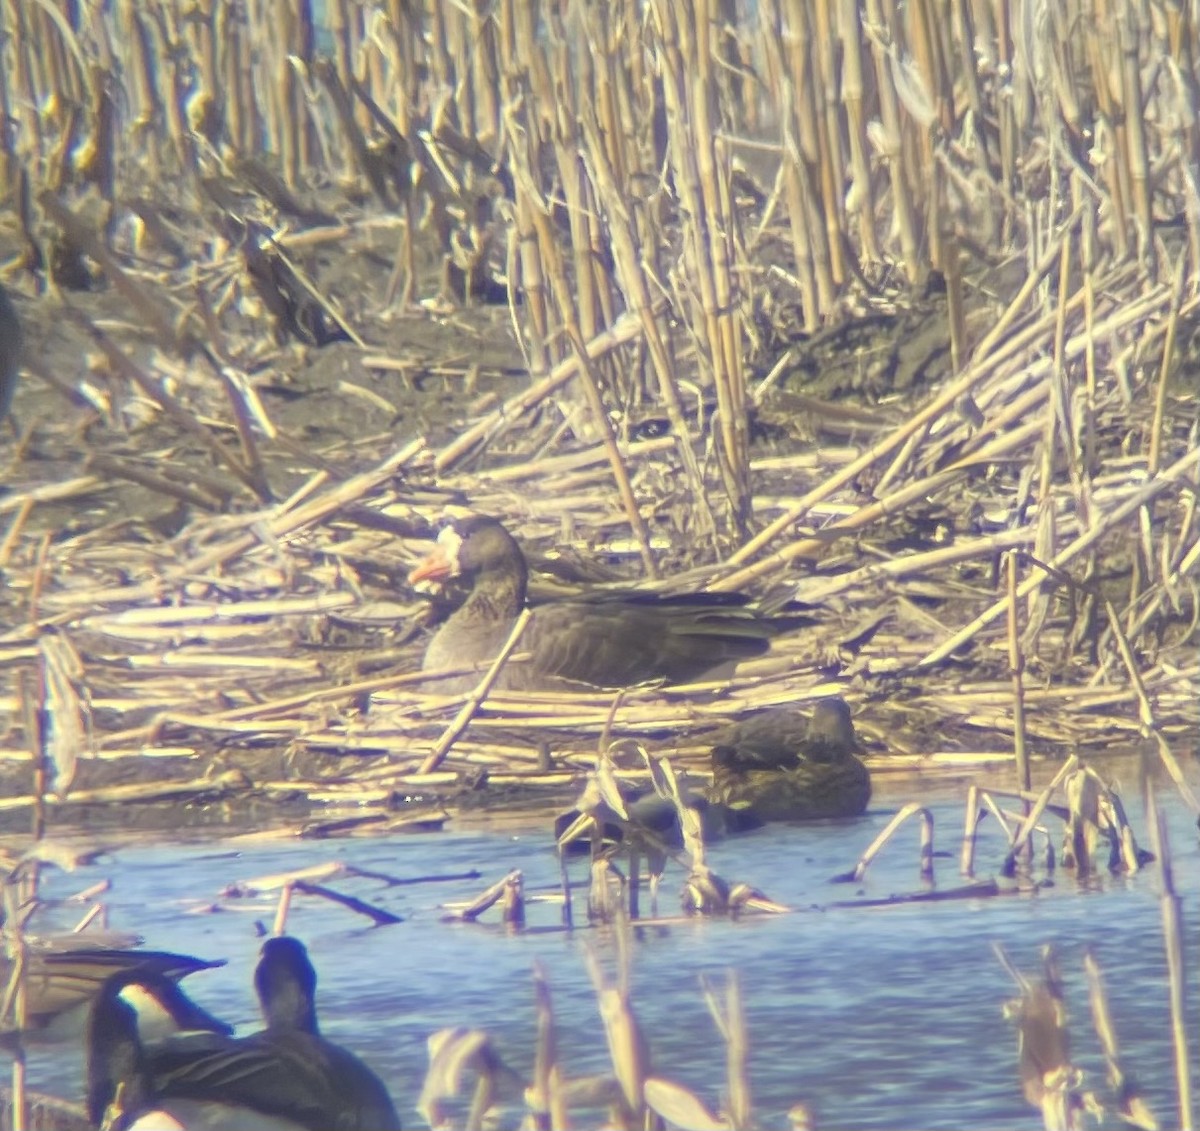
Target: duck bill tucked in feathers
x,y
766,768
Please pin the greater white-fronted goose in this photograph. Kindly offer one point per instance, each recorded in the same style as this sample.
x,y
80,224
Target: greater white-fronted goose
x,y
604,640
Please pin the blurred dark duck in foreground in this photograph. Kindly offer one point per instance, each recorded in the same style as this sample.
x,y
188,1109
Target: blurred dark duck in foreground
x,y
285,1077
606,639
777,766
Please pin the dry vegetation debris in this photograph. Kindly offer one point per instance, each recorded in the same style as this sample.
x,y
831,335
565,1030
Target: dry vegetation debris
x,y
893,315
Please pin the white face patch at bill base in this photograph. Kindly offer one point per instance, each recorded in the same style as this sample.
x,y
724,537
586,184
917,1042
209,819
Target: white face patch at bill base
x,y
451,543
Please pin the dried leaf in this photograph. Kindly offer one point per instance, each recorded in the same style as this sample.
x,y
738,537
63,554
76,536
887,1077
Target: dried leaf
x,y
680,1107
451,1052
66,734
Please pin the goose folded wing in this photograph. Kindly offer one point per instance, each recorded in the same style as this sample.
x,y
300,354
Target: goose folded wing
x,y
60,980
615,642
293,1076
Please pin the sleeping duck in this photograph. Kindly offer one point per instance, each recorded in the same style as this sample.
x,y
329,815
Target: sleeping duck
x,y
777,767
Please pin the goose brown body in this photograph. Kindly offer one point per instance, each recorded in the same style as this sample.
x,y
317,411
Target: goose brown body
x,y
607,640
776,766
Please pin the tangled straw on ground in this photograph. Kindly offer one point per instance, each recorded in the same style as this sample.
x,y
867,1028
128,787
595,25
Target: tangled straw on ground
x,y
584,159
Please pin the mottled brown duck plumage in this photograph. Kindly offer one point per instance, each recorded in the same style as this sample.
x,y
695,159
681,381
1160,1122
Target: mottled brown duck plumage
x,y
776,766
606,640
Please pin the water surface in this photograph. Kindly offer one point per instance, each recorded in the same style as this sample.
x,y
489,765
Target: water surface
x,y
875,1017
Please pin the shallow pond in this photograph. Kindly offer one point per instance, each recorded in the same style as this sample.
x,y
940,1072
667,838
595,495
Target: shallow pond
x,y
873,1016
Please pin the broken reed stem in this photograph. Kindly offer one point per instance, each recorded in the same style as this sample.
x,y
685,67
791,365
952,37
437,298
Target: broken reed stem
x,y
905,217
180,415
278,522
377,915
1034,814
20,1101
979,804
1016,667
974,814
15,998
1172,920
279,926
1083,542
112,468
588,378
926,847
626,329
1131,1107
33,713
1164,370
171,338
543,1096
738,1053
626,1043
710,236
1146,711
982,364
463,718
629,254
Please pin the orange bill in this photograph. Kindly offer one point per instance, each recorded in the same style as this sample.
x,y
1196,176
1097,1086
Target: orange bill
x,y
436,567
